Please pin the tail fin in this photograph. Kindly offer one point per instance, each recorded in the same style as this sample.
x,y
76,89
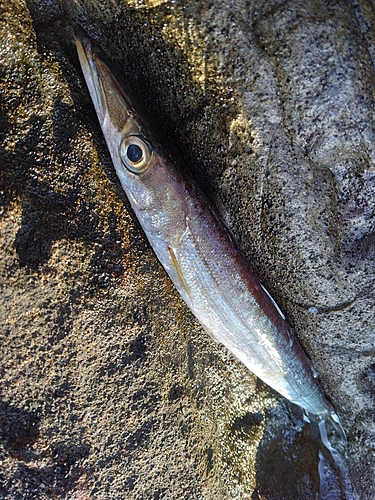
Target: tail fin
x,y
334,481
337,425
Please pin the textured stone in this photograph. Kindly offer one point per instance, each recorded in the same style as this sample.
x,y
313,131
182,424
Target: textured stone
x,y
110,389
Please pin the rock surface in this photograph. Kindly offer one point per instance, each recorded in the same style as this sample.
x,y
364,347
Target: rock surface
x,y
110,389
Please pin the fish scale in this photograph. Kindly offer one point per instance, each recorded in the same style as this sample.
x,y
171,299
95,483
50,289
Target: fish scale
x,y
237,312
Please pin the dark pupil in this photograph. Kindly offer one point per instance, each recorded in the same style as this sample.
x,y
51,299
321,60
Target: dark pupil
x,y
134,153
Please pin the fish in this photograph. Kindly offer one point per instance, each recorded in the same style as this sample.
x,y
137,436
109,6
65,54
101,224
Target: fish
x,y
197,251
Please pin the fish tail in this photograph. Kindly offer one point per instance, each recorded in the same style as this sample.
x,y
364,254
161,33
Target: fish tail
x,y
326,423
334,477
337,426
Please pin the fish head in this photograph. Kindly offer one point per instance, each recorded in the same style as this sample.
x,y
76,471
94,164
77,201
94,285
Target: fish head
x,y
148,176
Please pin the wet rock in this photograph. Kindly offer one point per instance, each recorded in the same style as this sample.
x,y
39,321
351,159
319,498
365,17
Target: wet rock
x,y
110,389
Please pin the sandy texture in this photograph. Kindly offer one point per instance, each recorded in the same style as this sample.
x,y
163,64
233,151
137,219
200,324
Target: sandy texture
x,y
109,387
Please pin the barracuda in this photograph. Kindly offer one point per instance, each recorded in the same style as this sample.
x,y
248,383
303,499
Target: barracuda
x,y
196,250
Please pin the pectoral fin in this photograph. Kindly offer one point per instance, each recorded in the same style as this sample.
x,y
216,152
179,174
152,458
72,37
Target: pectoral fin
x,y
178,272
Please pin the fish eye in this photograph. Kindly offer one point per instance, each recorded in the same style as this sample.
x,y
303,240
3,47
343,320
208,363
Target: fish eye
x,y
135,154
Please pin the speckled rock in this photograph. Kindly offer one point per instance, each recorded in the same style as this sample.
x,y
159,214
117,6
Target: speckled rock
x,y
110,389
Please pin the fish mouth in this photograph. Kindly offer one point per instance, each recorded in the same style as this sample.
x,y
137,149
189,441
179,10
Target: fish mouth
x,y
112,103
87,58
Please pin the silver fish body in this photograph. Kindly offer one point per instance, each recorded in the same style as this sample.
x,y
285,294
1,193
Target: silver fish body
x,y
195,248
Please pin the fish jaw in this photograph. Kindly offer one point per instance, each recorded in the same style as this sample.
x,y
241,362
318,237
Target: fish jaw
x,y
111,103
